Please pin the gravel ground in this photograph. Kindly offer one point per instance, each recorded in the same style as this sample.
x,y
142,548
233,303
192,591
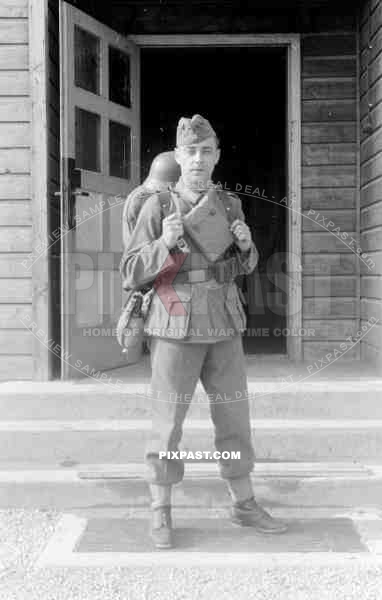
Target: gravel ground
x,y
25,533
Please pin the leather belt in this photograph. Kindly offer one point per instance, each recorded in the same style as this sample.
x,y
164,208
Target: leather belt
x,y
222,272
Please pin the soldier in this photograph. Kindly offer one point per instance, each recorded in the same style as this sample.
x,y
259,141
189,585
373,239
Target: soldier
x,y
195,322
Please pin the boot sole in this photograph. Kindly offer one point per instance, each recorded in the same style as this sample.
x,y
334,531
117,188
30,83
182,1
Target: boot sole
x,y
161,546
259,529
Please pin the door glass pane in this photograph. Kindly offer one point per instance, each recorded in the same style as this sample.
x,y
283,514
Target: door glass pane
x,y
86,60
88,143
120,150
119,77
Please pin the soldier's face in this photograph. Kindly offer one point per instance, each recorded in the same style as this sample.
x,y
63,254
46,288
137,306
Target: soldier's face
x,y
197,161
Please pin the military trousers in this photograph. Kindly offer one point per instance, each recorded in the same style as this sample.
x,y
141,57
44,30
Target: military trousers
x,y
176,369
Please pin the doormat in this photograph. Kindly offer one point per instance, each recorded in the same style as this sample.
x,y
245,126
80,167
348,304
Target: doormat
x,y
220,536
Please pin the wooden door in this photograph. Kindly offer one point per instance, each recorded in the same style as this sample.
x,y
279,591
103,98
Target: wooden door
x,y
100,166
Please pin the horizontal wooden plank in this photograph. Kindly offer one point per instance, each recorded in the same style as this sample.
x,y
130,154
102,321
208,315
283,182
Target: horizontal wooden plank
x,y
329,176
371,286
368,55
14,31
372,333
371,355
371,169
329,110
15,109
14,160
13,315
372,264
16,341
328,220
330,307
367,9
14,56
370,193
11,265
314,351
371,215
16,239
329,154
329,286
313,242
330,45
371,309
13,9
373,96
15,186
16,368
328,89
370,26
371,122
329,67
371,240
14,83
328,198
15,290
16,212
14,135
370,76
330,132
330,329
329,264
371,145
333,21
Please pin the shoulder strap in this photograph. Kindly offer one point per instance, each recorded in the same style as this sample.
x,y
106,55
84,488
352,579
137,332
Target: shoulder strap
x,y
165,202
227,199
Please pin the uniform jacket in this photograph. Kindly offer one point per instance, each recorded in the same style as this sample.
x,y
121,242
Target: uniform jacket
x,y
189,312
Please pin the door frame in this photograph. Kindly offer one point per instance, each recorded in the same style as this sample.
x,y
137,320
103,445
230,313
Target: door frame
x,y
294,240
38,53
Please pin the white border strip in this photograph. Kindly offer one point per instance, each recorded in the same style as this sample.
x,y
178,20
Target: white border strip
x,y
140,387
50,425
88,472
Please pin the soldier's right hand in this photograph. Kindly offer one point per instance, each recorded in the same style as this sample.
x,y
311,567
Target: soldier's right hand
x,y
172,229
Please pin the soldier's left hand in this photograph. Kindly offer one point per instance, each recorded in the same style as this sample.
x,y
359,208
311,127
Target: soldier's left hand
x,y
242,234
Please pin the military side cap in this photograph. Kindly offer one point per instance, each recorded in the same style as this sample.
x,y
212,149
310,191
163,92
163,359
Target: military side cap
x,y
193,131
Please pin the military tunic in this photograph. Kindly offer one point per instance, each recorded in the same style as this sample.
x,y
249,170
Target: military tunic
x,y
204,342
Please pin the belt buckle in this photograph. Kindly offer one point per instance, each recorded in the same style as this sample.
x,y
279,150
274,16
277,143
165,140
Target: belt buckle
x,y
197,275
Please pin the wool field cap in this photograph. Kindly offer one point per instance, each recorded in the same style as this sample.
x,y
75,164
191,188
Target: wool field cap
x,y
193,131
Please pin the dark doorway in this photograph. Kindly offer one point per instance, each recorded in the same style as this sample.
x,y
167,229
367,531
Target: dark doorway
x,y
242,91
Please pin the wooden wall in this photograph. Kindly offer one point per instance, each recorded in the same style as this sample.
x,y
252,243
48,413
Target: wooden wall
x,y
370,89
329,191
15,192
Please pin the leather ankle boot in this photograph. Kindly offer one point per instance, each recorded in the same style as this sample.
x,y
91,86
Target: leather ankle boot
x,y
161,527
250,514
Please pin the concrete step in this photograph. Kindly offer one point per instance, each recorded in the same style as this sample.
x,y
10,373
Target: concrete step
x,y
113,440
272,397
119,486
